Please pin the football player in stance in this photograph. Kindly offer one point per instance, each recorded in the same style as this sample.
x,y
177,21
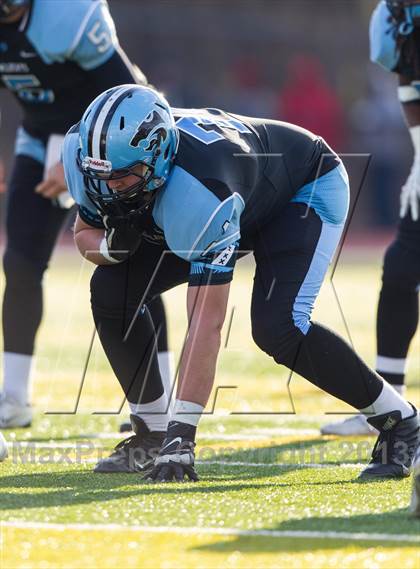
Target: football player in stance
x,y
170,196
395,44
54,57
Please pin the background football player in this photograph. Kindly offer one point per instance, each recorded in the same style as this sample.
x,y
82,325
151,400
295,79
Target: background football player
x,y
211,184
55,57
395,44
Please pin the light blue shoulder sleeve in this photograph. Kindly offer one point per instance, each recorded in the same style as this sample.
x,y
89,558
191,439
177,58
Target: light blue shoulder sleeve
x,y
74,181
382,32
81,31
195,222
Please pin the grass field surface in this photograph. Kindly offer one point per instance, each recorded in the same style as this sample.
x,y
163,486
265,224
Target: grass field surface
x,y
272,493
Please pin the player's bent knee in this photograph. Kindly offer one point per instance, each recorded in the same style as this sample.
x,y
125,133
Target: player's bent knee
x,y
278,340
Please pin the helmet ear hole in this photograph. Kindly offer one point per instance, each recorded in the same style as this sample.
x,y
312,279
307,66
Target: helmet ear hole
x,y
122,123
166,153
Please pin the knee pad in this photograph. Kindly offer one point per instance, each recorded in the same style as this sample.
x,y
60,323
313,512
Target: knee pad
x,y
401,268
21,272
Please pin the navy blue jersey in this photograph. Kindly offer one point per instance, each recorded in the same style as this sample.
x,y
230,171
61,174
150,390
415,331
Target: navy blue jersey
x,y
50,61
231,175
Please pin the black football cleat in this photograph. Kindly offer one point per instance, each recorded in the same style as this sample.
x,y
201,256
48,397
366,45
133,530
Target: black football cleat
x,y
134,454
394,450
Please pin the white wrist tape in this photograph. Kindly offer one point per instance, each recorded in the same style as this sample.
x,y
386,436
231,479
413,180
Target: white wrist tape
x,y
104,251
408,93
187,412
415,137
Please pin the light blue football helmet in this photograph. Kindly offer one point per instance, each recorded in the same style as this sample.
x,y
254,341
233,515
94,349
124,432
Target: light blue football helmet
x,y
8,6
126,126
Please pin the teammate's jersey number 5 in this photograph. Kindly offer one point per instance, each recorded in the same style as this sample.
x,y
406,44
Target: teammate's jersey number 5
x,y
100,38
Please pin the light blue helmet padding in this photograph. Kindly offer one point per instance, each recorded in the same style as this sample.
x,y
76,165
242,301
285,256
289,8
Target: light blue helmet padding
x,y
195,222
127,125
80,30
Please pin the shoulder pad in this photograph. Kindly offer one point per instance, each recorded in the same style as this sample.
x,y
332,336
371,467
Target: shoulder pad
x,y
194,221
81,31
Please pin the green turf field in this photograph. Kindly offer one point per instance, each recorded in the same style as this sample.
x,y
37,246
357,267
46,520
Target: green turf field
x,y
273,493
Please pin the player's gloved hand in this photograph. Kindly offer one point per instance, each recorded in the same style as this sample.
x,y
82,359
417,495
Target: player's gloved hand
x,y
123,233
410,195
176,457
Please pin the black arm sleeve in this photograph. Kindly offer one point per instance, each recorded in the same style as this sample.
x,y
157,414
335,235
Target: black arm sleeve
x,y
91,219
117,70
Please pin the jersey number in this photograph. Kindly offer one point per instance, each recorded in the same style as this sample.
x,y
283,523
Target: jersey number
x,y
28,88
210,129
102,40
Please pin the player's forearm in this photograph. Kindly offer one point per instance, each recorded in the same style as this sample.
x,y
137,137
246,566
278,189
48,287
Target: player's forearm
x,y
198,364
88,242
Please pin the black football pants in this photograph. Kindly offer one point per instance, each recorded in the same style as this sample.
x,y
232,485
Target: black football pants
x,y
290,257
398,308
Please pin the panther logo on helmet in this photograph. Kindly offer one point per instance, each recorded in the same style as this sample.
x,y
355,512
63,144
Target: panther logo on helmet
x,y
146,131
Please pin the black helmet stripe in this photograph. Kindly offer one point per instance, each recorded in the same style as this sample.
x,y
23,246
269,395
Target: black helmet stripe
x,y
108,120
97,119
93,123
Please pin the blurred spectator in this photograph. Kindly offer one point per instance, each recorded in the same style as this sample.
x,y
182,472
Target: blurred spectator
x,y
250,94
309,101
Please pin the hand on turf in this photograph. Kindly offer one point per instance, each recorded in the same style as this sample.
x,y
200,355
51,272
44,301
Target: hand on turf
x,y
176,457
410,195
54,183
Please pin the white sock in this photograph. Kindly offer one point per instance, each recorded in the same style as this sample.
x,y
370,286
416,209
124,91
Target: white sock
x,y
18,369
166,368
187,412
388,400
153,414
401,389
391,365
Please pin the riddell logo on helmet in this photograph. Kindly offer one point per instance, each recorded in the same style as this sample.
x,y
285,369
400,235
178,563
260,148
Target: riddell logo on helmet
x,y
96,164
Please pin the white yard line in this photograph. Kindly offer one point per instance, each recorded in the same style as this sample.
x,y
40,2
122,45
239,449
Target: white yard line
x,y
304,534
